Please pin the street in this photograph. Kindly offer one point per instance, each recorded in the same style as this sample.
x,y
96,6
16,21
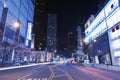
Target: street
x,y
59,72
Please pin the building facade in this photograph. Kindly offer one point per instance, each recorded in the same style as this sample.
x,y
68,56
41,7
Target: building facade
x,y
51,34
40,23
80,49
89,21
14,41
37,56
102,35
80,44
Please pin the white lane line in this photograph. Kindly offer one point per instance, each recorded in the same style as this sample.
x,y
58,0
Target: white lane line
x,y
52,73
22,78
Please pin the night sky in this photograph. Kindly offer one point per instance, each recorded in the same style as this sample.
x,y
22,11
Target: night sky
x,y
70,13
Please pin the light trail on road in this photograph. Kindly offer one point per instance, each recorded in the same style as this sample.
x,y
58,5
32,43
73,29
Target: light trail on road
x,y
92,73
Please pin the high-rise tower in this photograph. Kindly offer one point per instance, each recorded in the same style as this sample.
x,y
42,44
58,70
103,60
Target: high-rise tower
x,y
51,34
40,23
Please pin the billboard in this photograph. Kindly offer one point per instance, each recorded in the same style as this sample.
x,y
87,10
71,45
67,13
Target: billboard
x,y
29,31
29,34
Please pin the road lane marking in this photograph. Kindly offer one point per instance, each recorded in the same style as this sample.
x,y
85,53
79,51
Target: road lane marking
x,y
34,79
60,75
22,78
29,79
52,73
67,74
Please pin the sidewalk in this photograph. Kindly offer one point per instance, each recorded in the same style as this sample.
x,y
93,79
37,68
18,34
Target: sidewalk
x,y
20,66
103,66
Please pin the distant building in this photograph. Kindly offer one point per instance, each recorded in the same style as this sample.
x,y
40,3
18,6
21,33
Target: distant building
x,y
37,56
80,42
79,36
51,34
102,35
15,41
80,50
71,44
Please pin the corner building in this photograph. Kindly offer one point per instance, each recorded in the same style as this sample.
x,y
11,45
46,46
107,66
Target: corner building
x,y
16,41
103,35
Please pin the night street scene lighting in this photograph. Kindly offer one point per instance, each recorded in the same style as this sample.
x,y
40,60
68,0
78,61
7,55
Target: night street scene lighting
x,y
59,40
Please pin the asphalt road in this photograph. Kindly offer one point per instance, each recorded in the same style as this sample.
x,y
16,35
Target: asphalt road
x,y
59,72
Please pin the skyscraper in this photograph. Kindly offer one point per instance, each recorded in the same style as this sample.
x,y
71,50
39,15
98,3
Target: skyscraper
x,y
40,23
51,33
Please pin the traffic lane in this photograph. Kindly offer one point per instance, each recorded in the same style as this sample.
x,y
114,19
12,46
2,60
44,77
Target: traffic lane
x,y
60,78
50,72
102,73
96,75
59,74
56,71
76,74
39,74
88,73
14,74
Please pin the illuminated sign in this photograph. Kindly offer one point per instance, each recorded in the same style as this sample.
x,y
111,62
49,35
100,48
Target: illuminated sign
x,y
27,43
29,31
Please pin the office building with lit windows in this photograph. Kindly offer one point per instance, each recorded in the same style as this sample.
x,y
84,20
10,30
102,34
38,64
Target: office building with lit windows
x,y
15,39
103,35
51,34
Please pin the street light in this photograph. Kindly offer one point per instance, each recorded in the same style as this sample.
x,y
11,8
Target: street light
x,y
15,25
94,40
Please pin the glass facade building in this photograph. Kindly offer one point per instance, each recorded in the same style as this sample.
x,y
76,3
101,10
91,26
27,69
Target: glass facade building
x,y
12,11
107,22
